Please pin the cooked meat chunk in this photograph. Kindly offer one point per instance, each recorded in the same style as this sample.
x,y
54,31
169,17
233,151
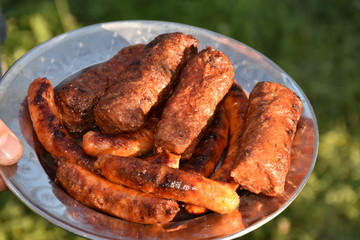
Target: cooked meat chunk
x,y
270,124
235,104
116,200
211,147
128,144
168,182
145,84
76,99
168,159
49,128
75,170
204,82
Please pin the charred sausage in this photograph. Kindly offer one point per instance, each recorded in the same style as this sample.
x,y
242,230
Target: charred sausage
x,y
96,192
48,125
168,182
235,104
74,165
132,144
270,124
204,82
76,99
168,159
211,147
145,84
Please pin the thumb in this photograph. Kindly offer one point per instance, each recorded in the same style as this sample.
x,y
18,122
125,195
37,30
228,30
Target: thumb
x,y
11,148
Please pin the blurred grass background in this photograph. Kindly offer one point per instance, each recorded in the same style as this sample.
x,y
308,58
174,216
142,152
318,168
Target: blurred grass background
x,y
315,42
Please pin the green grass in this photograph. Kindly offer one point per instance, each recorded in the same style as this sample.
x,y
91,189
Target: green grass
x,y
316,42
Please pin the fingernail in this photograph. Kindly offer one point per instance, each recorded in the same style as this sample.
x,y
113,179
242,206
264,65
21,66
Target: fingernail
x,y
10,147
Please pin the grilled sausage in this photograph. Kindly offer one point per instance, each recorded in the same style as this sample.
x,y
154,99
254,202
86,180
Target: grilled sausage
x,y
76,99
114,199
204,82
211,147
168,159
270,124
74,165
168,182
132,144
48,125
235,104
145,84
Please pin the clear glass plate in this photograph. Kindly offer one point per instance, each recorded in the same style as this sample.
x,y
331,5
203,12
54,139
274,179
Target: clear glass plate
x,y
32,178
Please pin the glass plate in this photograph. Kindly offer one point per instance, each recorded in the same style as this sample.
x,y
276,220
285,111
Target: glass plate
x,y
32,178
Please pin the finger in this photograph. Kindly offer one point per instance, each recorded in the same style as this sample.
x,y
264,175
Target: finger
x,y
11,148
2,185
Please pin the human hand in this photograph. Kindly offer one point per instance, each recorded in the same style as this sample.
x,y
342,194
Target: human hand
x,y
11,149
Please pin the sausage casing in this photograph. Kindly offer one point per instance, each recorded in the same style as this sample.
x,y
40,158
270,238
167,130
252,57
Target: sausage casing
x,y
168,182
168,159
211,147
204,81
130,144
235,104
48,125
270,124
73,166
96,192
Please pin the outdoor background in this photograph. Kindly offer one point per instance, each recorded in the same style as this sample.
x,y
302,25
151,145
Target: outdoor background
x,y
316,42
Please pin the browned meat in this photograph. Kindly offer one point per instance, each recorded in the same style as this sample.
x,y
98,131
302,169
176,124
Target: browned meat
x,y
127,144
168,159
235,104
83,185
270,124
145,84
48,125
76,99
204,82
207,153
168,182
211,147
114,199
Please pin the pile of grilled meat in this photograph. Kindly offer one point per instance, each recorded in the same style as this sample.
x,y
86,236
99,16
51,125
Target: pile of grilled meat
x,y
165,127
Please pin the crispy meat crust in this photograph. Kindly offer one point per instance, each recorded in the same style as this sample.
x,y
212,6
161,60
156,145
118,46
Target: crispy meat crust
x,y
168,182
270,124
211,147
168,159
74,165
145,84
127,144
48,125
234,104
76,99
204,82
114,199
